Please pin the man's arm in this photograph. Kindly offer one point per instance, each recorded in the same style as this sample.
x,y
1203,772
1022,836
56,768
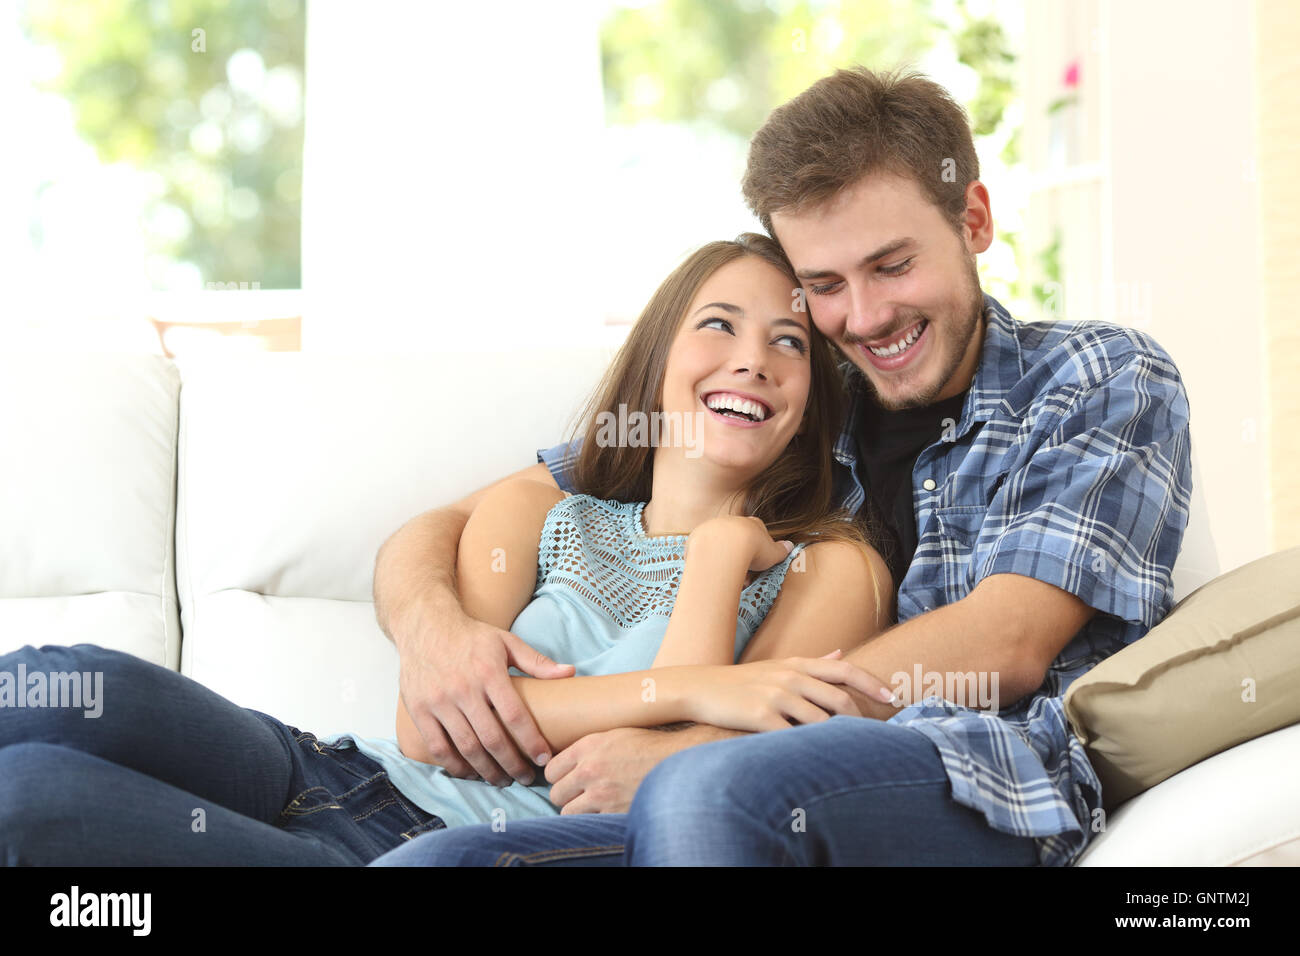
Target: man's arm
x,y
453,668
1010,625
1091,523
1006,632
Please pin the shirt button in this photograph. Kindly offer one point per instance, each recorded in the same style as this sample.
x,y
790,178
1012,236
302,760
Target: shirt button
x,y
928,484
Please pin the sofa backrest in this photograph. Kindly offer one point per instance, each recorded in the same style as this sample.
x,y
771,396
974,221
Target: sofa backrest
x,y
293,469
87,502
255,497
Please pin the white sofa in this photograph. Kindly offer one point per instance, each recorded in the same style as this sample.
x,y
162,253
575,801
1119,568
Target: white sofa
x,y
222,519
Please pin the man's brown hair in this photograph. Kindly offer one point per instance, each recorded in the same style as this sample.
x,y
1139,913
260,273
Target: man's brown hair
x,y
854,123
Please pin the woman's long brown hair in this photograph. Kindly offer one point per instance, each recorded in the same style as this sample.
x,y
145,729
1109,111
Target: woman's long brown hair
x,y
794,495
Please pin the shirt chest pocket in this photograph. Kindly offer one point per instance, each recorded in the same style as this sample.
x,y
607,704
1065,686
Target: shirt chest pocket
x,y
967,492
958,528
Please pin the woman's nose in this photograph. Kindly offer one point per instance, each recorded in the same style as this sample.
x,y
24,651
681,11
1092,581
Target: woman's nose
x,y
751,357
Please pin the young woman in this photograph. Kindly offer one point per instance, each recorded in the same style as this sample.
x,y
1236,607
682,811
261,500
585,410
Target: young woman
x,y
653,581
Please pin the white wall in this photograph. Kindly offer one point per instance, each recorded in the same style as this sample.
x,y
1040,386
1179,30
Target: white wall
x,y
1184,219
446,163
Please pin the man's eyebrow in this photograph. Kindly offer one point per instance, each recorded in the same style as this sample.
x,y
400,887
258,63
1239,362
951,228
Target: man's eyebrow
x,y
887,249
737,310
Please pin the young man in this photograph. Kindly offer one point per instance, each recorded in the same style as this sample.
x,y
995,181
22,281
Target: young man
x,y
1035,478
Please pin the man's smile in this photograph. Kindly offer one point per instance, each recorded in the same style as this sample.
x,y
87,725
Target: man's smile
x,y
901,352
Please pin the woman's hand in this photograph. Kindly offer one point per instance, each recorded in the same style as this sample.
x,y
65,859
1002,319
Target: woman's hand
x,y
743,538
770,695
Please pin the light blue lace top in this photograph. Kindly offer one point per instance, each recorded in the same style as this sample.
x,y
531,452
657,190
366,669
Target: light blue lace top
x,y
605,591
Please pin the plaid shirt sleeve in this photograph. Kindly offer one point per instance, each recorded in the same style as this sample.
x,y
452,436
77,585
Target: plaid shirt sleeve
x,y
1100,505
559,459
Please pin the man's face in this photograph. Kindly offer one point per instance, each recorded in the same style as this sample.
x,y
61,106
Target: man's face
x,y
883,269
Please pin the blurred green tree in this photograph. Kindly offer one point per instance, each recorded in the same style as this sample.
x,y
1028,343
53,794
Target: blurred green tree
x,y
728,64
207,95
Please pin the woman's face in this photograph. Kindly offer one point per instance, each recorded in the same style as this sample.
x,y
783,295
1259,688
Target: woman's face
x,y
742,344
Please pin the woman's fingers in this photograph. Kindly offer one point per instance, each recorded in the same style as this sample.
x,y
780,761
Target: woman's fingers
x,y
770,554
796,707
830,698
772,720
842,672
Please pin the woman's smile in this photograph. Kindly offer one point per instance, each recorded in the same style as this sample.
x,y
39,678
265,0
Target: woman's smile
x,y
738,409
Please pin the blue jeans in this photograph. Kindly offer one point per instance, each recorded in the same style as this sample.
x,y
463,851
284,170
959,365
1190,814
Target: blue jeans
x,y
172,773
849,791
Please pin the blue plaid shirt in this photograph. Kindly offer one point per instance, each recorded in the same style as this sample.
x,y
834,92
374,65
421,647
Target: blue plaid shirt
x,y
1071,465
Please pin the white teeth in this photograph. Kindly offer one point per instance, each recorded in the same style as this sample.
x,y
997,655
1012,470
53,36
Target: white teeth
x,y
737,404
902,344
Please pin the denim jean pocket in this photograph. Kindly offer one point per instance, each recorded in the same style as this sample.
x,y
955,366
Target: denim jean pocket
x,y
344,754
433,823
312,800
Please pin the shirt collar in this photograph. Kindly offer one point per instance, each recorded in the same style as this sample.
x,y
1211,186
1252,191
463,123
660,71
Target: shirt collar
x,y
1001,366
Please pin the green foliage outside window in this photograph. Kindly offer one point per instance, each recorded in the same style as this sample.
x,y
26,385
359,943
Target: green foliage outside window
x,y
207,95
728,64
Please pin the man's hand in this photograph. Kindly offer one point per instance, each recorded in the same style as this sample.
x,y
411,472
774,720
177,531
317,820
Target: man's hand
x,y
456,690
600,772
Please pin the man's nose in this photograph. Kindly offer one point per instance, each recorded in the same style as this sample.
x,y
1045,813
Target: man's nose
x,y
867,318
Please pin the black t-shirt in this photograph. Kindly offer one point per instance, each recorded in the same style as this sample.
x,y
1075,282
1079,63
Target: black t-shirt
x,y
888,446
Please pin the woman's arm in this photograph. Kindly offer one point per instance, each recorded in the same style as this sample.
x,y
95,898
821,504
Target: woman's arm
x,y
827,601
759,696
719,554
497,573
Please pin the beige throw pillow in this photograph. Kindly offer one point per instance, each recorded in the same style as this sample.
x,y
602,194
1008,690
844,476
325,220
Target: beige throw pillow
x,y
1222,668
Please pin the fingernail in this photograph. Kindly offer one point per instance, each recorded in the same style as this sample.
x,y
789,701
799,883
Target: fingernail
x,y
788,545
886,695
541,759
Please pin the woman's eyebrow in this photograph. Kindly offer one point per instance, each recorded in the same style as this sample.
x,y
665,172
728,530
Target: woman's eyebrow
x,y
737,310
727,306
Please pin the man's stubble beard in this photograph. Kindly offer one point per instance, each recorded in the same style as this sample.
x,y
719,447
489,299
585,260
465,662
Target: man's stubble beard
x,y
974,310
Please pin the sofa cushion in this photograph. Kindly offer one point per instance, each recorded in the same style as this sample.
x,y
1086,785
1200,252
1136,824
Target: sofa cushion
x,y
87,502
1237,808
1221,668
